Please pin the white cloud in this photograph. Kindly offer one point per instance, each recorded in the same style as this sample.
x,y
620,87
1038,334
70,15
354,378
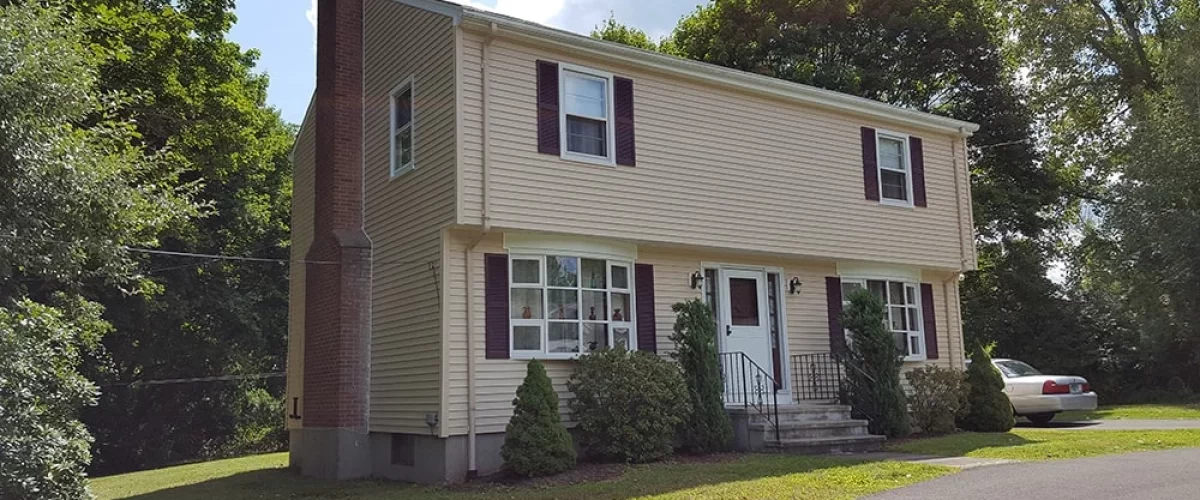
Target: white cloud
x,y
311,14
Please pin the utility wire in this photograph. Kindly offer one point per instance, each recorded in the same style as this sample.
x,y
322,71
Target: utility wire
x,y
221,378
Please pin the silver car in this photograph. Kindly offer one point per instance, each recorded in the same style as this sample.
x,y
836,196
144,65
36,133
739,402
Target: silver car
x,y
1039,397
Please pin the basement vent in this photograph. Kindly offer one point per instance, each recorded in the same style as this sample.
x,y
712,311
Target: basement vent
x,y
404,449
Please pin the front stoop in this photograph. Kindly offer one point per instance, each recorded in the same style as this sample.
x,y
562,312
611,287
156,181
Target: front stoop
x,y
804,429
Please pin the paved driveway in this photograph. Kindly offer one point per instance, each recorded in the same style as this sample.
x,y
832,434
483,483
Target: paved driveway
x,y
1116,425
1155,475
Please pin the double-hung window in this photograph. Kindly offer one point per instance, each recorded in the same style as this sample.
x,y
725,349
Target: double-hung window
x,y
902,315
895,179
564,306
402,130
587,115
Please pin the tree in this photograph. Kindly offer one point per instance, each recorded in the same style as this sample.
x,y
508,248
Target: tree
x,y
708,428
613,31
75,192
988,409
872,366
535,441
199,104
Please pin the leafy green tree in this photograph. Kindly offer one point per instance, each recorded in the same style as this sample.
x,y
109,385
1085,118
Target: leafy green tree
x,y
872,366
197,103
988,408
613,31
535,441
75,191
708,428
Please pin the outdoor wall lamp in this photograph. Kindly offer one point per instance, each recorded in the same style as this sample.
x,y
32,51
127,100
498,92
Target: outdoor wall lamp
x,y
697,280
794,286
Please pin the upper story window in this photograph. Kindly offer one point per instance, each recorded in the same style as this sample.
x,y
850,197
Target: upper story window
x,y
563,306
402,129
902,315
586,118
895,180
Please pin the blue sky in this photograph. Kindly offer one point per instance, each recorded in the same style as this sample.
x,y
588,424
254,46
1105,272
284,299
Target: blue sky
x,y
284,32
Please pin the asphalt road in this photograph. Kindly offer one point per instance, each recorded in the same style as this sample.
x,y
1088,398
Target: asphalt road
x,y
1155,475
1115,425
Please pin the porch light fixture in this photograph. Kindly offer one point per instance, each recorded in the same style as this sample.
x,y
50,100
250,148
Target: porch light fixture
x,y
697,280
794,286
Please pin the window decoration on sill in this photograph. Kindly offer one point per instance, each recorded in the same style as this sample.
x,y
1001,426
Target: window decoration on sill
x,y
566,288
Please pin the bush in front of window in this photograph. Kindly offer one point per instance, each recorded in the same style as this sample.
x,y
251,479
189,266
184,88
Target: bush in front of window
x,y
629,405
938,395
535,442
872,365
707,428
988,407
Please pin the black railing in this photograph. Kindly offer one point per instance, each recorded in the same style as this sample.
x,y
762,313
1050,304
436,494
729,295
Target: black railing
x,y
747,384
817,377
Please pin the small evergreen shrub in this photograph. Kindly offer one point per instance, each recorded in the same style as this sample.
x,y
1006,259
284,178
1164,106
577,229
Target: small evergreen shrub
x,y
988,407
536,443
937,396
707,428
629,405
872,367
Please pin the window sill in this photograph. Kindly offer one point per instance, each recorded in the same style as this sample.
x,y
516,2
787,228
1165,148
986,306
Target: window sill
x,y
543,356
589,159
915,359
402,170
895,203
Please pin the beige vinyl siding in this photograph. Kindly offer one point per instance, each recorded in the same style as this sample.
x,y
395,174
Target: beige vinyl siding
x,y
404,216
716,168
807,322
303,165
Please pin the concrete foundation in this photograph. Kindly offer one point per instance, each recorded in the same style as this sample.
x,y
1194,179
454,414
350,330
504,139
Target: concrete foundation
x,y
330,453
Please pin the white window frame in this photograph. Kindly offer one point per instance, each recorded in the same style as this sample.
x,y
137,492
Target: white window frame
x,y
394,134
544,323
910,335
905,159
609,121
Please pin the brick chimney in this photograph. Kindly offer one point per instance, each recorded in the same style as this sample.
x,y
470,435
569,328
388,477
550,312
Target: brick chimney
x,y
334,441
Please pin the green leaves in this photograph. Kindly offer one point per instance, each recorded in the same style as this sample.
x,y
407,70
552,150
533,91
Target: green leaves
x,y
535,441
707,428
872,367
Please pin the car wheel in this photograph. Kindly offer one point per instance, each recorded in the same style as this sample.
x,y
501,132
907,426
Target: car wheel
x,y
1040,418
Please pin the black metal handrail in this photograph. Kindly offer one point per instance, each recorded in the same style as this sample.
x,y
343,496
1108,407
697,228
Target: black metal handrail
x,y
751,386
817,376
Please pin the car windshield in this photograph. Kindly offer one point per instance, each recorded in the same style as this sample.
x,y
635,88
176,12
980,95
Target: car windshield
x,y
1012,368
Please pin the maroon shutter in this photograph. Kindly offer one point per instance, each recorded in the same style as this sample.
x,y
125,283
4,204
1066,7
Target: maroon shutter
x,y
870,164
495,297
643,287
547,117
833,303
927,316
623,102
916,155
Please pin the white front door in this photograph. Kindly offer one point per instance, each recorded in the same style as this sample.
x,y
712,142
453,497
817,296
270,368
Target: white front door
x,y
744,321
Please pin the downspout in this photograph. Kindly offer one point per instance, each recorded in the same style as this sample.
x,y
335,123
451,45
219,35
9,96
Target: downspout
x,y
963,259
486,223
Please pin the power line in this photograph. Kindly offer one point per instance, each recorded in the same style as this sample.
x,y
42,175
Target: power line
x,y
220,378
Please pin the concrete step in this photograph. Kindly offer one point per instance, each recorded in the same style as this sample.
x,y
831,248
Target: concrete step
x,y
816,446
817,429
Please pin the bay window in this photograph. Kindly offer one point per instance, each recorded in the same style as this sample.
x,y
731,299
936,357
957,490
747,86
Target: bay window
x,y
564,306
902,312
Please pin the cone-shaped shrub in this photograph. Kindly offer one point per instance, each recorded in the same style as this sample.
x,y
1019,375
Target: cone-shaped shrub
x,y
873,367
707,429
536,443
988,408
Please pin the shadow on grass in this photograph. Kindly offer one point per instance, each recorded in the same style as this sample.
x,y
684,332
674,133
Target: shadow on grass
x,y
959,444
817,477
1056,424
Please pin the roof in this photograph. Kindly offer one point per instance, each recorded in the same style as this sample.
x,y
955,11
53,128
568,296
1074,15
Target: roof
x,y
510,27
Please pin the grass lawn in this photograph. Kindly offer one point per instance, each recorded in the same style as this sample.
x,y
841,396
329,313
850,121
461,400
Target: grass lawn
x,y
1135,412
1040,444
738,476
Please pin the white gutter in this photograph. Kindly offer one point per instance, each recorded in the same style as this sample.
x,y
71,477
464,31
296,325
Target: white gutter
x,y
710,73
486,222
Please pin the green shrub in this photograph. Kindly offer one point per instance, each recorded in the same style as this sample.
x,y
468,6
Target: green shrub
x,y
707,428
535,442
629,405
988,407
873,365
938,396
